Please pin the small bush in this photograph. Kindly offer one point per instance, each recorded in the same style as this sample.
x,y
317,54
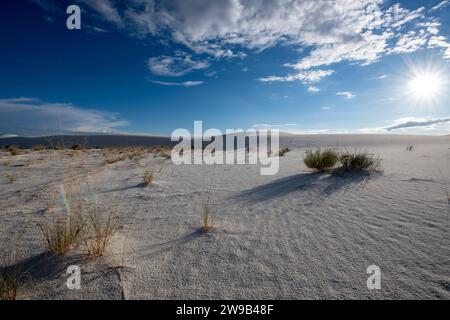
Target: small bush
x,y
10,274
77,147
321,160
283,151
13,150
358,160
100,231
39,148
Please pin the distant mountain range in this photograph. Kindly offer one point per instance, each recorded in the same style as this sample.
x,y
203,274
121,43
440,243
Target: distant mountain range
x,y
90,141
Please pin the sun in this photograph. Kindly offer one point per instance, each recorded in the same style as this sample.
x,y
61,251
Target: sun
x,y
425,85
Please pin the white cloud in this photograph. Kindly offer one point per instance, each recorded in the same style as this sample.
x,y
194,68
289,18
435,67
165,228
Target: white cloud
x,y
410,42
357,31
346,94
106,9
30,116
405,123
313,89
306,77
175,66
178,84
273,126
383,76
440,42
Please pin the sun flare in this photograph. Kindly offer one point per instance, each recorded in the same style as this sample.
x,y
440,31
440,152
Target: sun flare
x,y
425,85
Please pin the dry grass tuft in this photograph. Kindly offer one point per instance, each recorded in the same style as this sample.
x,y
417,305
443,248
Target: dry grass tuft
x,y
206,211
100,230
11,177
39,148
148,176
10,276
51,199
60,235
13,150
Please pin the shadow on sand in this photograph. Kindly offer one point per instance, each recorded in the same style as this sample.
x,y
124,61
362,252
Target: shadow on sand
x,y
323,185
42,267
155,249
137,186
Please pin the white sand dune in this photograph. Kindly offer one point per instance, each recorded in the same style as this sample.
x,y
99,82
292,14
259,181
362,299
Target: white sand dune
x,y
296,235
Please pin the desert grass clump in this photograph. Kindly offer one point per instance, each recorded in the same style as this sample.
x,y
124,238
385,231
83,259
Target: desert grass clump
x,y
62,232
410,148
11,177
99,231
77,146
321,160
51,199
359,160
10,275
148,177
60,235
14,150
39,147
206,211
283,151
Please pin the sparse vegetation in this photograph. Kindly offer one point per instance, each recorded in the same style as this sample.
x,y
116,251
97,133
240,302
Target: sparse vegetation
x,y
10,274
39,148
206,211
148,176
100,230
77,147
321,160
358,160
51,198
61,234
14,150
11,177
283,151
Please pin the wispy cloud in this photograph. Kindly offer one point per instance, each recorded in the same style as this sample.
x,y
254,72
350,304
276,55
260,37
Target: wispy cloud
x,y
310,76
415,122
346,94
178,84
31,116
273,126
175,66
440,5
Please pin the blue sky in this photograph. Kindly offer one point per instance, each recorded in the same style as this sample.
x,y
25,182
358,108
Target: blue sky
x,y
147,66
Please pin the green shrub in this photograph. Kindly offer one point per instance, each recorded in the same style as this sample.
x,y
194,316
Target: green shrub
x,y
358,160
321,160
